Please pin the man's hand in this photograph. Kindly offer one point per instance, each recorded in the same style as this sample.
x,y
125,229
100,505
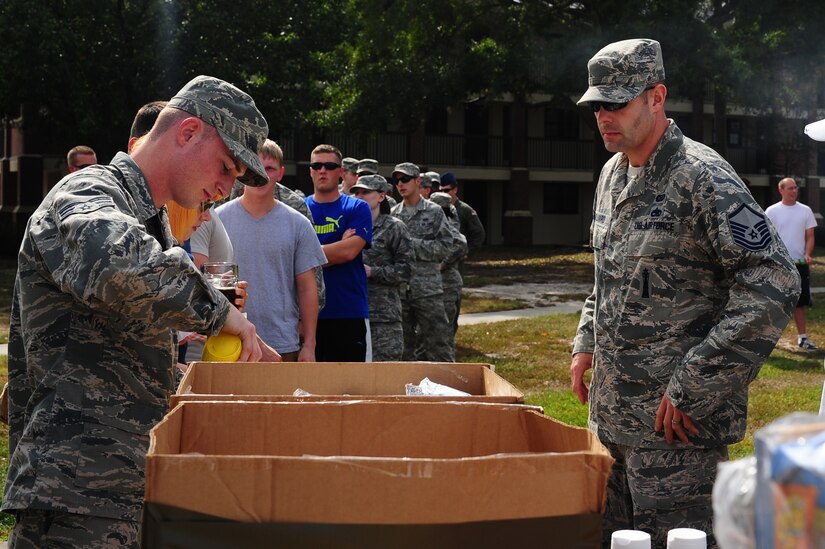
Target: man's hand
x,y
580,364
307,353
237,324
240,291
673,421
268,354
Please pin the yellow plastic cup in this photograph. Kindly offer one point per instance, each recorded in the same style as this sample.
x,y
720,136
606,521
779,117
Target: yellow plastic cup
x,y
222,348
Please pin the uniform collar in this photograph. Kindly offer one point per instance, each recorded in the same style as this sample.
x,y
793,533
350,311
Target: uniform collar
x,y
136,184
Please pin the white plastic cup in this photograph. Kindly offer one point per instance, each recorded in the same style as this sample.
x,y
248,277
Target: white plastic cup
x,y
630,539
686,538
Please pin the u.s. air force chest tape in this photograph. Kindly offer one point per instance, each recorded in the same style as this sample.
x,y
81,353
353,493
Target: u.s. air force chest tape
x,y
88,206
749,229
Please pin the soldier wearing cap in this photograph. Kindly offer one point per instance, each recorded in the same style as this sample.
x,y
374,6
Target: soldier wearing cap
x,y
426,185
471,226
388,264
692,290
423,304
100,287
349,175
367,166
451,281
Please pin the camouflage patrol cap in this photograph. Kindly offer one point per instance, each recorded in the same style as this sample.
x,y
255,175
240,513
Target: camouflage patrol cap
x,y
622,70
350,164
233,113
435,177
442,199
367,166
407,168
426,180
371,182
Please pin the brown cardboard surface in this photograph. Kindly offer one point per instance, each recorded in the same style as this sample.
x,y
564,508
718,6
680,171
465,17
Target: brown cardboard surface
x,y
378,380
373,462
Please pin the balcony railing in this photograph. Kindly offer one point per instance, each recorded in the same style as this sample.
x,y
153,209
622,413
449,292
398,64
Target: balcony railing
x,y
387,148
557,154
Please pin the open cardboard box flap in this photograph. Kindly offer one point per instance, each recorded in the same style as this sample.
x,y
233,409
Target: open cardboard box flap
x,y
378,380
373,462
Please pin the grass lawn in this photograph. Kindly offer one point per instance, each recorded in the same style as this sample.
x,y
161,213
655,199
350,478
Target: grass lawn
x,y
534,354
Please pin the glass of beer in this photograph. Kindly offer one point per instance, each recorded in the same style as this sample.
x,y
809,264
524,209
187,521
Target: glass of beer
x,y
223,276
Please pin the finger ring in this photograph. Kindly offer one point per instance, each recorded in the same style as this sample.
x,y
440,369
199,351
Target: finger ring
x,y
676,421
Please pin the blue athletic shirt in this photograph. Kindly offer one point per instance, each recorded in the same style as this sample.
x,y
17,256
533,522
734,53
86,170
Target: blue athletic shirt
x,y
346,283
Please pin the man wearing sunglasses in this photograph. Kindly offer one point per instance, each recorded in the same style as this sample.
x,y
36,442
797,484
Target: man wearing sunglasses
x,y
427,332
80,157
692,290
343,225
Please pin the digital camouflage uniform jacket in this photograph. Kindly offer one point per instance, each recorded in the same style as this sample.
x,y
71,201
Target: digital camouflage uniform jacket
x,y
391,258
431,239
99,289
450,272
692,290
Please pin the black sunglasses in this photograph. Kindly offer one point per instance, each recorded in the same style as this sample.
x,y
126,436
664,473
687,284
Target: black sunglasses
x,y
206,205
613,107
329,166
404,178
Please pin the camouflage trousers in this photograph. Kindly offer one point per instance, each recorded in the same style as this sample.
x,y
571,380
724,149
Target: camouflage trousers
x,y
452,306
427,333
387,341
657,490
37,528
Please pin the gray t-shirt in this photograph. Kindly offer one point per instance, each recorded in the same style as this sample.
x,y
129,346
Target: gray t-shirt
x,y
211,240
270,253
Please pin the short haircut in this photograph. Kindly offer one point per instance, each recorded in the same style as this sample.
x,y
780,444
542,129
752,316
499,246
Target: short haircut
x,y
328,149
145,118
74,151
270,149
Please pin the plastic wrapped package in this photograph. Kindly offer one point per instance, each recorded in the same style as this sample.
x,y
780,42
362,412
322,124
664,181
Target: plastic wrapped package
x,y
733,500
790,486
430,388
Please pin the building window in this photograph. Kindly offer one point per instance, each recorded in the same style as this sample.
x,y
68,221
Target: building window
x,y
561,124
561,198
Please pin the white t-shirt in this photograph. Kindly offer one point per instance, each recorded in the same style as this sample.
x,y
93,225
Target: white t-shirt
x,y
791,222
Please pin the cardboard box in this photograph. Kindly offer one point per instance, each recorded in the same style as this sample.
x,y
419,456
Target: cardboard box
x,y
276,381
373,463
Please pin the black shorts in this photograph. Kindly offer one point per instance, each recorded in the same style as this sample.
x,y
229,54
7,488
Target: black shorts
x,y
341,340
805,295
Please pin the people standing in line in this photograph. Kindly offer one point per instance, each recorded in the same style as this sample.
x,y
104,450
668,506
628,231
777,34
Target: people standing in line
x,y
451,281
348,175
795,223
343,324
422,305
388,264
471,225
692,290
277,252
99,290
80,157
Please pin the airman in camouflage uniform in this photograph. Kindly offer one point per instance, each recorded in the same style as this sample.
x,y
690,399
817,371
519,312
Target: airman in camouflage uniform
x,y
692,290
388,264
423,304
100,287
470,224
451,280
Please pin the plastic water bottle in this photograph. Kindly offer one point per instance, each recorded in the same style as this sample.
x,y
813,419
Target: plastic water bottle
x,y
630,539
686,538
